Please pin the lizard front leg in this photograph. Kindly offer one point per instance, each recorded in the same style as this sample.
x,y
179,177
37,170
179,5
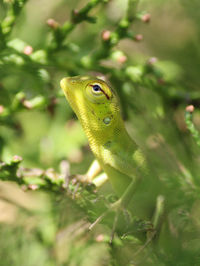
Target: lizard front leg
x,y
93,176
93,171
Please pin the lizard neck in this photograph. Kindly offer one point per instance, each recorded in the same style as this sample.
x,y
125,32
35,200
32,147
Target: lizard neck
x,y
101,137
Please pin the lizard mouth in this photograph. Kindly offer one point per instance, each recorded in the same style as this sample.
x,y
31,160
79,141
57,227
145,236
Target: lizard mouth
x,y
64,84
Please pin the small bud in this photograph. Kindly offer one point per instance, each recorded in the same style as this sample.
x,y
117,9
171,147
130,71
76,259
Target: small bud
x,y
152,60
52,23
124,23
28,50
32,186
75,12
135,73
17,159
139,37
40,56
190,108
1,109
105,35
86,61
118,56
27,104
146,18
100,238
122,59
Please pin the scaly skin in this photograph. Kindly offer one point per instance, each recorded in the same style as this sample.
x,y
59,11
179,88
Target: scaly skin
x,y
97,108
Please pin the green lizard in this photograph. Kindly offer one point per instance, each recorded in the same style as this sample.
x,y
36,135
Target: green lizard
x,y
97,108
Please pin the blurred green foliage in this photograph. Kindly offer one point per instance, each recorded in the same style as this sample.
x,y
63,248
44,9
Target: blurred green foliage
x,y
153,63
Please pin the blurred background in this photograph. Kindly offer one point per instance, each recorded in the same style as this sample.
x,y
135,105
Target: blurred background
x,y
156,74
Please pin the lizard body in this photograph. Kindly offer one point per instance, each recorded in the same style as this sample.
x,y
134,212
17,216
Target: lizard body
x,y
98,109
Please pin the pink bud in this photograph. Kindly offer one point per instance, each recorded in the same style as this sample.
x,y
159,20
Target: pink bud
x,y
17,158
27,104
139,37
122,59
146,18
76,12
152,60
52,23
190,108
105,35
28,50
32,186
1,109
100,238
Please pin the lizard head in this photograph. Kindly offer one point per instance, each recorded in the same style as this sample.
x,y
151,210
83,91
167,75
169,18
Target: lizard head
x,y
94,102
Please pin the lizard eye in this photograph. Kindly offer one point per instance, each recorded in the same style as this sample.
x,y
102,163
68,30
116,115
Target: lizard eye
x,y
96,92
96,89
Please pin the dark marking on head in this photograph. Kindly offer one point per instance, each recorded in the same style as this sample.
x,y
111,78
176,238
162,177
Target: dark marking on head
x,y
108,98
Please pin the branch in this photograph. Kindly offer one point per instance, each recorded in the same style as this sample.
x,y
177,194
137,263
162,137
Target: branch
x,y
32,178
59,33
